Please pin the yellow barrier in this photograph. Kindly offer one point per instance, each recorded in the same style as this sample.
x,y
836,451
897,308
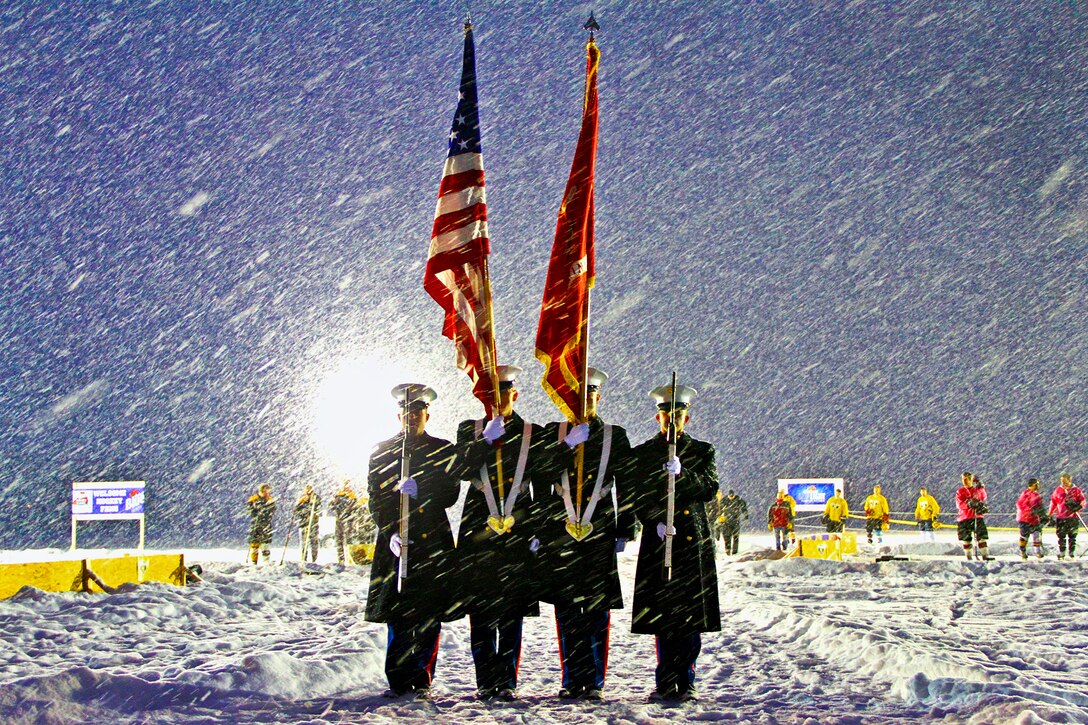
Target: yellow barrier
x,y
362,553
92,575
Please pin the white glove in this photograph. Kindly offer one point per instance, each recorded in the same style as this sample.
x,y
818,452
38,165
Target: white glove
x,y
673,466
662,530
494,429
578,434
394,544
534,545
621,544
408,486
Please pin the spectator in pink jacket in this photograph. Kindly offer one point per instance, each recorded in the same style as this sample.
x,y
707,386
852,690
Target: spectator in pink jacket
x,y
1031,515
1065,504
971,503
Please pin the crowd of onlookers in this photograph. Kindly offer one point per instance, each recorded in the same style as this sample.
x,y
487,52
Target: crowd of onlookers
x,y
1033,514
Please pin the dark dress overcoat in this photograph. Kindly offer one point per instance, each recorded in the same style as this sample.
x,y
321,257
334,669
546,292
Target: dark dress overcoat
x,y
686,603
427,592
583,574
497,572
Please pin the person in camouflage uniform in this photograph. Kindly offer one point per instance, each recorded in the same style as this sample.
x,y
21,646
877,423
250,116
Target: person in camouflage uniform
x,y
261,508
726,514
345,508
307,515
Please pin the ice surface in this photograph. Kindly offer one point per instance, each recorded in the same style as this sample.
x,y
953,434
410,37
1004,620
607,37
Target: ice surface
x,y
931,638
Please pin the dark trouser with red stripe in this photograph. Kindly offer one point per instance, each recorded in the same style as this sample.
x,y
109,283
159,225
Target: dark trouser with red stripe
x,y
411,654
583,647
496,652
676,655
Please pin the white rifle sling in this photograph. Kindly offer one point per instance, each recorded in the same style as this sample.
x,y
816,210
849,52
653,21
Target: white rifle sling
x,y
599,490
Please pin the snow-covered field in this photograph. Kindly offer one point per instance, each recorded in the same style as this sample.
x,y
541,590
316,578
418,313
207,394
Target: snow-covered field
x,y
932,638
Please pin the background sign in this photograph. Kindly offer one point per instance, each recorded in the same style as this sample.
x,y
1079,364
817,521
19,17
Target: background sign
x,y
811,494
107,500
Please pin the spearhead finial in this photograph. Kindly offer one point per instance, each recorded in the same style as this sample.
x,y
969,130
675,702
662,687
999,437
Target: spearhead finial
x,y
468,24
591,24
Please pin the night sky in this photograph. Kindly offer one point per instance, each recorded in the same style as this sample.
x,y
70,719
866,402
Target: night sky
x,y
859,229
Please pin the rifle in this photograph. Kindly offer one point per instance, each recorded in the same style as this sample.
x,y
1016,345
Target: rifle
x,y
286,541
309,528
402,565
670,503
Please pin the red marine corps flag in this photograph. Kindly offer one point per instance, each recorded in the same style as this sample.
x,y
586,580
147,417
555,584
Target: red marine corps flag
x,y
456,275
562,339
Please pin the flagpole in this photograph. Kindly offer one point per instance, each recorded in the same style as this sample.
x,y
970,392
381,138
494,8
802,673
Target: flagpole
x,y
492,368
590,25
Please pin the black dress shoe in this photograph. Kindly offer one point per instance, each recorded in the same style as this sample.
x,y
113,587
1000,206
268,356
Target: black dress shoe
x,y
570,693
484,694
663,695
508,694
393,693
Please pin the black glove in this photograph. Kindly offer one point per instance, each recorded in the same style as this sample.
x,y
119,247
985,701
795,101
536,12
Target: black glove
x,y
1072,505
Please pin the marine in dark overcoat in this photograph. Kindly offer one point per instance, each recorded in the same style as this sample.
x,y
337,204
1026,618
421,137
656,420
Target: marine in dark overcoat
x,y
676,608
415,608
580,576
497,580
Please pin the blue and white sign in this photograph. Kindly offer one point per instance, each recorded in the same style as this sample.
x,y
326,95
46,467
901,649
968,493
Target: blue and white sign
x,y
99,500
811,494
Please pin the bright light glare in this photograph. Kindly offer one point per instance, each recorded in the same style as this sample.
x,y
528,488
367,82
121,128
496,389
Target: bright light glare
x,y
353,410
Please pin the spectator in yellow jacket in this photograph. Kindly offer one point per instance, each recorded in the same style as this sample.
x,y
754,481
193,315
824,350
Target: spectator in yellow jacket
x,y
877,514
835,512
793,514
925,513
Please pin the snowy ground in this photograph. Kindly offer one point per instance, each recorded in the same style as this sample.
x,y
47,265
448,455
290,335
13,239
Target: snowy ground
x,y
931,638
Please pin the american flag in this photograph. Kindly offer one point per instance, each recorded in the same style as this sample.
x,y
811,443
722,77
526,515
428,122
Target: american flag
x,y
562,338
456,275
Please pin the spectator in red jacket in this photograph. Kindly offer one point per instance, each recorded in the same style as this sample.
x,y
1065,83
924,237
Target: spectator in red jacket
x,y
780,518
1031,515
971,503
1065,505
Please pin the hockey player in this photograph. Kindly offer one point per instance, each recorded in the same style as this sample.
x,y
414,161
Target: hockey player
x,y
261,507
971,504
307,514
1065,505
877,514
836,510
580,541
1031,516
345,509
413,606
926,511
779,519
498,536
679,604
